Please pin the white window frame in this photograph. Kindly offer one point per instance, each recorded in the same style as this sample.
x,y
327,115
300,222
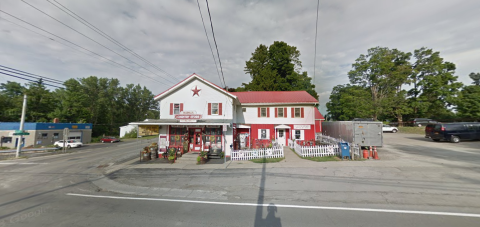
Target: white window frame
x,y
278,112
301,132
267,133
261,111
217,108
176,109
299,112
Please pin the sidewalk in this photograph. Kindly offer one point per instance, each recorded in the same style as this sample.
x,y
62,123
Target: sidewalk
x,y
291,160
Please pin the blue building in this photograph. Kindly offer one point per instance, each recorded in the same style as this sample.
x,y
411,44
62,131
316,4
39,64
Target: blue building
x,y
44,133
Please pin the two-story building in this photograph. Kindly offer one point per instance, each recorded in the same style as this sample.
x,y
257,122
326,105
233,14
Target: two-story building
x,y
207,116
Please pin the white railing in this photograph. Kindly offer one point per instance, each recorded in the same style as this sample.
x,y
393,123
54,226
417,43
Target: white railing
x,y
273,152
317,151
290,143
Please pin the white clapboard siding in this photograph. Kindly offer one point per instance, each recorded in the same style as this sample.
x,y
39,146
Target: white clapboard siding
x,y
273,152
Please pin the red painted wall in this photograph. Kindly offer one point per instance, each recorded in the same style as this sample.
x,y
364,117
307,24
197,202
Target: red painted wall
x,y
318,126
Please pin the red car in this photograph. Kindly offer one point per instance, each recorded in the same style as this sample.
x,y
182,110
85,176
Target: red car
x,y
109,139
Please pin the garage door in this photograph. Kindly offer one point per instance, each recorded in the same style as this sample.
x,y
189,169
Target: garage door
x,y
77,136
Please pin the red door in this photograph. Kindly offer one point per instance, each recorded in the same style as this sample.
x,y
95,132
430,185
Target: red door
x,y
196,143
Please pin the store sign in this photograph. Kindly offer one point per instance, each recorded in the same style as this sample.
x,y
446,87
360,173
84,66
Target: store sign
x,y
188,120
188,117
301,126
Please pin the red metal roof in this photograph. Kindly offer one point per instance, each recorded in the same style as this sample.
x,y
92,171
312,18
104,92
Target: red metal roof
x,y
274,97
318,115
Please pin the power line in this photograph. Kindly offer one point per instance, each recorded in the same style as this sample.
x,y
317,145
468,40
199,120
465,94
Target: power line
x,y
30,76
133,70
99,31
215,41
90,55
315,56
213,55
33,75
30,80
93,40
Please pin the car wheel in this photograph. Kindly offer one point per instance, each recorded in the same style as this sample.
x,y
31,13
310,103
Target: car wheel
x,y
394,131
419,125
69,146
103,141
111,141
455,139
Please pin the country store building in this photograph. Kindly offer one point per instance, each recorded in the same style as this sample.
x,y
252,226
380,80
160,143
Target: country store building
x,y
207,116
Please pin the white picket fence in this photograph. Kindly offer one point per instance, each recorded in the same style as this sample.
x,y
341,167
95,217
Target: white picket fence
x,y
273,152
317,151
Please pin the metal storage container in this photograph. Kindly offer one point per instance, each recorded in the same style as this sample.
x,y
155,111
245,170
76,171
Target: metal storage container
x,y
363,133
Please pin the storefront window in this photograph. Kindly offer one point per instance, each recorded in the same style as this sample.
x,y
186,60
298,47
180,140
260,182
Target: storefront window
x,y
298,134
264,134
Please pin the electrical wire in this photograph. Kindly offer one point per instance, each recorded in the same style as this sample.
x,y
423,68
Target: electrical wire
x,y
213,55
94,40
133,70
100,32
215,41
30,80
32,75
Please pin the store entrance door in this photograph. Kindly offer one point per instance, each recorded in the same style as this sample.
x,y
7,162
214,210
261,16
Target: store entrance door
x,y
195,139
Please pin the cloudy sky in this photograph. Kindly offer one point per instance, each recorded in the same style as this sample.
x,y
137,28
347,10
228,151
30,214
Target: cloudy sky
x,y
170,35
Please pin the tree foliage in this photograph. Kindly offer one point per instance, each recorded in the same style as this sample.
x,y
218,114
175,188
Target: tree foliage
x,y
468,103
383,72
100,101
277,68
348,102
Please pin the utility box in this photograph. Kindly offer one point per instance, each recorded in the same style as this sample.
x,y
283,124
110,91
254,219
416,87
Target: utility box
x,y
363,133
344,149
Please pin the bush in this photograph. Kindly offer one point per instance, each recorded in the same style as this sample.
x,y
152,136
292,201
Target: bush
x,y
131,134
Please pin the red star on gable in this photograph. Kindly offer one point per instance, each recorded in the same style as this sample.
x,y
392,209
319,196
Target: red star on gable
x,y
196,91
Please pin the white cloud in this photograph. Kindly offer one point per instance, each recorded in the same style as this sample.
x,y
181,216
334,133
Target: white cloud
x,y
170,34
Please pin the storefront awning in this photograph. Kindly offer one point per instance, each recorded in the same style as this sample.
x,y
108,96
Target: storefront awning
x,y
177,122
282,127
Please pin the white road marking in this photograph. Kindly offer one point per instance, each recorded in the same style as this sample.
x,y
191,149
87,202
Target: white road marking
x,y
21,163
288,206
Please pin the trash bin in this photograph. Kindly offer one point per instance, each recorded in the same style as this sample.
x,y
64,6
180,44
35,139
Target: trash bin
x,y
344,149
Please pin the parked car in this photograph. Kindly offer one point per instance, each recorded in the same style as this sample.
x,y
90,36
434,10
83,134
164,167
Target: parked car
x,y
109,139
454,132
388,128
421,121
429,130
68,143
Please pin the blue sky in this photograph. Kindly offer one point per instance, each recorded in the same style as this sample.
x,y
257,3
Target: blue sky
x,y
170,35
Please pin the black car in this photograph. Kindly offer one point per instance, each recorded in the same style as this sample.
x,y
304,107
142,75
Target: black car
x,y
429,130
454,132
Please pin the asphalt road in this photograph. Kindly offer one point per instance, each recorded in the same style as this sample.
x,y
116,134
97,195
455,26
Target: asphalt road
x,y
401,189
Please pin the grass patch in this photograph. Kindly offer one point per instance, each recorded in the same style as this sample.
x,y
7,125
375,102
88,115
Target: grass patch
x,y
266,160
412,130
323,159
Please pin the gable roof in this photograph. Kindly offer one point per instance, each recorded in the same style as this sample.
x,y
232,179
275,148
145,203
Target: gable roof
x,y
318,115
188,79
274,97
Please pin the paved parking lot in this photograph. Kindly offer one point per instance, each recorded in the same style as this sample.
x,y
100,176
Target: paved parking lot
x,y
417,147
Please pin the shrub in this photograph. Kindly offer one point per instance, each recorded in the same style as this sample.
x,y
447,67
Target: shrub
x,y
131,134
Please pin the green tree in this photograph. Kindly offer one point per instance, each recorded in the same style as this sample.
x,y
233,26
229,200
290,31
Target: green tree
x,y
434,84
277,68
383,71
468,103
476,78
11,98
40,102
348,102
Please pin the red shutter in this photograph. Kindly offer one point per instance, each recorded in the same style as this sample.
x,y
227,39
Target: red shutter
x,y
181,107
220,109
258,111
302,112
293,112
285,112
209,109
171,108
276,112
268,112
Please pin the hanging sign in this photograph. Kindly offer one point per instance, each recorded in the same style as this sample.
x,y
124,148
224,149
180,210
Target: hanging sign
x,y
188,116
301,126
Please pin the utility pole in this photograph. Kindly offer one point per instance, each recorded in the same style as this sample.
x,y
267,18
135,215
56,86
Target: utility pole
x,y
22,122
